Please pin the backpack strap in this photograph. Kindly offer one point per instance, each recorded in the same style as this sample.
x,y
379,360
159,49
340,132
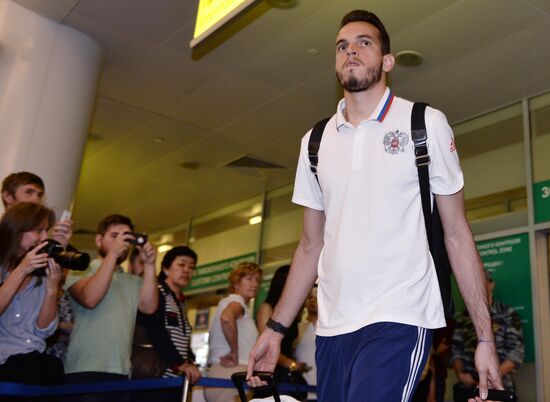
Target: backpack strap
x,y
419,136
314,144
432,220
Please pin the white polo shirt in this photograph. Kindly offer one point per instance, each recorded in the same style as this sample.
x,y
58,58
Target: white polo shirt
x,y
375,265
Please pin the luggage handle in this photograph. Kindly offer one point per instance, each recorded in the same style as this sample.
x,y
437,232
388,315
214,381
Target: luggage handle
x,y
239,379
492,394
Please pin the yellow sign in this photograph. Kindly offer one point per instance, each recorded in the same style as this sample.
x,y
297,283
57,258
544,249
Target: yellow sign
x,y
213,14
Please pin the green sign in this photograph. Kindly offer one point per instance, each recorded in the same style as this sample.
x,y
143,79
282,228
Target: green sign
x,y
507,258
541,195
215,275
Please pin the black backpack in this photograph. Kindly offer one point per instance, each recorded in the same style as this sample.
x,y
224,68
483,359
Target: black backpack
x,y
434,228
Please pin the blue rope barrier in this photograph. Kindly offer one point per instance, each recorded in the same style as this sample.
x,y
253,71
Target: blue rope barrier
x,y
17,389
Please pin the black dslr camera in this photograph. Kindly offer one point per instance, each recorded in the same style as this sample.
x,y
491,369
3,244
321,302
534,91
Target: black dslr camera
x,y
67,259
140,239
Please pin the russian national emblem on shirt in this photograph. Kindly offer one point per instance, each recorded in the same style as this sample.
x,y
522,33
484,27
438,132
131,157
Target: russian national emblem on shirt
x,y
395,142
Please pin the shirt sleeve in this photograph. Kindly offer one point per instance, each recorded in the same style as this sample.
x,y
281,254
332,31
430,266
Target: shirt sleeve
x,y
48,331
445,173
306,188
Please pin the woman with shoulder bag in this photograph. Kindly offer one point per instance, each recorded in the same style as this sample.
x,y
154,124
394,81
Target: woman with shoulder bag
x,y
168,329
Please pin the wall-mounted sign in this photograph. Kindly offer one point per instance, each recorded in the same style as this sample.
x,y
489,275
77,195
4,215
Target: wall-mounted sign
x,y
213,14
215,275
541,196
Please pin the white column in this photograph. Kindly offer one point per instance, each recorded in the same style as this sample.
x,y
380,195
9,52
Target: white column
x,y
48,82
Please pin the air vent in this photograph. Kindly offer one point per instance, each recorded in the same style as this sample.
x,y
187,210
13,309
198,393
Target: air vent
x,y
94,137
191,165
253,162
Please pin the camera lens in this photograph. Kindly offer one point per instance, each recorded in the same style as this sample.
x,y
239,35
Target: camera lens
x,y
74,260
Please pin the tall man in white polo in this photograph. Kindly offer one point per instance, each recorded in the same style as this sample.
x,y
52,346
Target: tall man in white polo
x,y
364,237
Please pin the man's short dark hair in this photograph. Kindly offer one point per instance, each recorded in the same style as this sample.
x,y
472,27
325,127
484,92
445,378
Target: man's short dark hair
x,y
15,180
371,18
111,220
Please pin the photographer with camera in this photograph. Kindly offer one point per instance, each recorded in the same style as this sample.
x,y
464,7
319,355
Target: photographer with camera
x,y
29,280
105,302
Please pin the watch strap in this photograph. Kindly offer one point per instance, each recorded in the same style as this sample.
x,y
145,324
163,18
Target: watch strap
x,y
276,326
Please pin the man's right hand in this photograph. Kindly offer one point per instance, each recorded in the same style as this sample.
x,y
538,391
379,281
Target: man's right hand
x,y
263,356
121,244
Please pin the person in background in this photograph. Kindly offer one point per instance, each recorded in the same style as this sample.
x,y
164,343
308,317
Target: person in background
x,y
441,356
168,328
508,342
28,187
29,283
135,263
22,187
288,369
305,345
233,331
59,341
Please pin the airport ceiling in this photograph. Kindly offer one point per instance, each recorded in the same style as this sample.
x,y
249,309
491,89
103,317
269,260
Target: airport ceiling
x,y
168,120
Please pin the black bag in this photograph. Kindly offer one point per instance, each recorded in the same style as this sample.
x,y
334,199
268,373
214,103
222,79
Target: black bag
x,y
146,362
434,228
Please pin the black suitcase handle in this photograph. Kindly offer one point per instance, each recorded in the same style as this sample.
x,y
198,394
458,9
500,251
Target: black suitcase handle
x,y
463,394
239,380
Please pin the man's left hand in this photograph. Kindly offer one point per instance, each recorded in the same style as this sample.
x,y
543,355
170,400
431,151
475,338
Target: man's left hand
x,y
148,253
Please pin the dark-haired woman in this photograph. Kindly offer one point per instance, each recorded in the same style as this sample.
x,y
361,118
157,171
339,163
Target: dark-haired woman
x,y
168,328
288,369
28,296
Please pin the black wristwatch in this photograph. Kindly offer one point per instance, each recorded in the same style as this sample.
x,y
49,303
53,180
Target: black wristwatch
x,y
276,326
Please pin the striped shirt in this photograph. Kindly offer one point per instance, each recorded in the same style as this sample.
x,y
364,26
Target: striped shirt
x,y
169,330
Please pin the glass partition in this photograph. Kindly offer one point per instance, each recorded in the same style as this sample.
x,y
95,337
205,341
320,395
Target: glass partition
x,y
540,153
229,232
282,228
492,157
